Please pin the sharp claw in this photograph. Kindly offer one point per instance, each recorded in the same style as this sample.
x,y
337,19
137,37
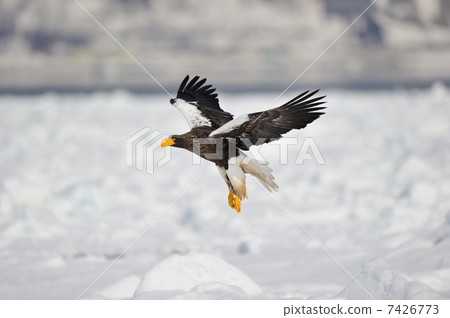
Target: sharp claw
x,y
237,204
234,202
231,200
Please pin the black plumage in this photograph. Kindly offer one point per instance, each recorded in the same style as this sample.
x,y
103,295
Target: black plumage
x,y
269,125
203,96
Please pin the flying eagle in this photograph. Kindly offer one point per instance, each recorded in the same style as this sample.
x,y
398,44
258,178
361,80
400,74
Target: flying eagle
x,y
217,137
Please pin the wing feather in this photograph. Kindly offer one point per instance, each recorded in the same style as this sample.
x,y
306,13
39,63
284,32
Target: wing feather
x,y
199,104
261,127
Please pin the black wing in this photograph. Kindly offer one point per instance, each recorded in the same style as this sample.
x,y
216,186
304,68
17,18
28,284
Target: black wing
x,y
199,104
261,127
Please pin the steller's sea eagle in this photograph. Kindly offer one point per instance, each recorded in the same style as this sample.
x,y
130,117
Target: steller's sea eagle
x,y
217,137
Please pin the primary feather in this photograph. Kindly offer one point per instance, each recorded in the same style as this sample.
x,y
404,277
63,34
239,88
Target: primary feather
x,y
199,104
269,125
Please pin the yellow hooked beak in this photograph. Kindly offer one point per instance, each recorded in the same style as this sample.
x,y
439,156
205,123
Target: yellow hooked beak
x,y
167,142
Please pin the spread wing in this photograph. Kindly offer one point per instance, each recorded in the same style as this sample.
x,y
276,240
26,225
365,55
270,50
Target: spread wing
x,y
199,104
261,127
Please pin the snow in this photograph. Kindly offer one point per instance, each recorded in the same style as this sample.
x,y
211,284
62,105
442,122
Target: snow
x,y
386,283
124,289
70,206
195,269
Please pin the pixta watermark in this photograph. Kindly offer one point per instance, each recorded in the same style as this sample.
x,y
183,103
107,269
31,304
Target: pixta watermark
x,y
144,152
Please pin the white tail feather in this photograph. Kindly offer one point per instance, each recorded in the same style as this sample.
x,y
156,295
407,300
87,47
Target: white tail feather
x,y
261,171
242,164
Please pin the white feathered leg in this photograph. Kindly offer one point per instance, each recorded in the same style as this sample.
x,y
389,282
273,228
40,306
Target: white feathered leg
x,y
231,194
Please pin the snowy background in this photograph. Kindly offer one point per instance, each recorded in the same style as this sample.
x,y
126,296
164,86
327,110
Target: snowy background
x,y
239,44
69,205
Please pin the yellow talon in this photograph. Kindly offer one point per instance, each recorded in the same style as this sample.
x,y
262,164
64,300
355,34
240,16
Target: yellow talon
x,y
231,199
237,204
234,202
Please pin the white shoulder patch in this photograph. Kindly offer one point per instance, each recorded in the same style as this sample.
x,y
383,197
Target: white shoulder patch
x,y
192,114
232,124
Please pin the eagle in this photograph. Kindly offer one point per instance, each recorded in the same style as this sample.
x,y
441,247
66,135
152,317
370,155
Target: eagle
x,y
218,137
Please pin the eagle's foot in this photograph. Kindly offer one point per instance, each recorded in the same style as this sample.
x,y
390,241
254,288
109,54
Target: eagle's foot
x,y
231,200
234,202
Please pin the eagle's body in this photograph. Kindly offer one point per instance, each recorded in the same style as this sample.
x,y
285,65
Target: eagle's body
x,y
217,137
199,141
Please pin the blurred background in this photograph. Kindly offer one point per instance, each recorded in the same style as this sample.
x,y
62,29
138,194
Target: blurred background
x,y
241,45
70,98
